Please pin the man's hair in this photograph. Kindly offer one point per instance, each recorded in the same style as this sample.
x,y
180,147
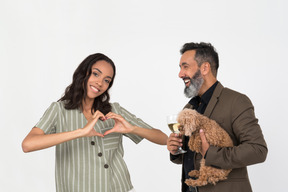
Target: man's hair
x,y
205,52
77,90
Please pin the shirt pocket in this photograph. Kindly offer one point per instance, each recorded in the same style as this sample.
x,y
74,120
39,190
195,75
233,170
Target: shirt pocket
x,y
112,140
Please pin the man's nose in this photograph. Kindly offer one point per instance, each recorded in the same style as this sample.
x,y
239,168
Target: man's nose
x,y
181,74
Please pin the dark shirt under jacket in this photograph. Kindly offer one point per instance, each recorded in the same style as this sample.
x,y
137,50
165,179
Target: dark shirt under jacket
x,y
199,104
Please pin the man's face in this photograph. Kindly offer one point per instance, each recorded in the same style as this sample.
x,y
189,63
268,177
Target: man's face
x,y
190,73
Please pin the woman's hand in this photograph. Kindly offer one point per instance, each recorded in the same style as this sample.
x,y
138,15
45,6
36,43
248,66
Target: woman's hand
x,y
88,130
121,125
37,139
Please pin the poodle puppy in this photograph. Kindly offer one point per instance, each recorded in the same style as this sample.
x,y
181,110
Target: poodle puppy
x,y
190,124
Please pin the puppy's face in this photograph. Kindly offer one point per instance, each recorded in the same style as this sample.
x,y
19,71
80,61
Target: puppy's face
x,y
187,119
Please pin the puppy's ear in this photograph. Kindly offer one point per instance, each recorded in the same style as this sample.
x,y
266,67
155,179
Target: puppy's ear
x,y
184,119
197,121
181,118
197,118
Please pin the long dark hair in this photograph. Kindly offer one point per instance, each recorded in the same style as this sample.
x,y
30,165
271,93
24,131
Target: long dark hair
x,y
77,90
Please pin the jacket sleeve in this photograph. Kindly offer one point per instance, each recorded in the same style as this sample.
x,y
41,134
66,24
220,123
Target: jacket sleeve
x,y
177,159
250,146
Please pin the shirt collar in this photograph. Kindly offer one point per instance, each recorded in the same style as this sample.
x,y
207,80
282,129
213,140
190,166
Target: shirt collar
x,y
208,94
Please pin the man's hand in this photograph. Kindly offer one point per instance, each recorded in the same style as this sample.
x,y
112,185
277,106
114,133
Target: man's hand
x,y
205,144
173,143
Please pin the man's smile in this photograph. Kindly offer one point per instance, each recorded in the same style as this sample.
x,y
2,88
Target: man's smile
x,y
186,81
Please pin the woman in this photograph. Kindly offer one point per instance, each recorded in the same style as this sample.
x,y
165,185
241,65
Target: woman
x,y
87,131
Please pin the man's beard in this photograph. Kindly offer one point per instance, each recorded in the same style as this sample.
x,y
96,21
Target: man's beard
x,y
195,84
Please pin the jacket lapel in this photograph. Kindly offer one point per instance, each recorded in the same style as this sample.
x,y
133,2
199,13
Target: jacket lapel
x,y
188,106
214,99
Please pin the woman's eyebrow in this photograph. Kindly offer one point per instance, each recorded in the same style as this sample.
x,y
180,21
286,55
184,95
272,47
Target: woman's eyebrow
x,y
98,70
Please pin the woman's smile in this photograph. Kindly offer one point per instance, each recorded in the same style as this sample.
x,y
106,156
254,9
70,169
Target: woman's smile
x,y
94,89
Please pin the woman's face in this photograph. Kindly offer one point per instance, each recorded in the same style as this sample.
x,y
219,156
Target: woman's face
x,y
100,78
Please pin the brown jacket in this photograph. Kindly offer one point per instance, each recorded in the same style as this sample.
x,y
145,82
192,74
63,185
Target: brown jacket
x,y
235,113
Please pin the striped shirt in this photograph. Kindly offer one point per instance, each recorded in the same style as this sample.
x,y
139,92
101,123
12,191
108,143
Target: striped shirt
x,y
89,164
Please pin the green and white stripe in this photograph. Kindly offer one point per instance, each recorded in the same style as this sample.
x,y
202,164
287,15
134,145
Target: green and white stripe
x,y
82,166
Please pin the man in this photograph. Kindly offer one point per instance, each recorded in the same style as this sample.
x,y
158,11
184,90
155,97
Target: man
x,y
232,110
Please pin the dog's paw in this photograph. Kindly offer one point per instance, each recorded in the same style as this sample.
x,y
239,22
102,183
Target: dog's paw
x,y
196,183
194,173
190,182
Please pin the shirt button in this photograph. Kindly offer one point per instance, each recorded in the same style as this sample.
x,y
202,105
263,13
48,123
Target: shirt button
x,y
106,166
100,154
92,142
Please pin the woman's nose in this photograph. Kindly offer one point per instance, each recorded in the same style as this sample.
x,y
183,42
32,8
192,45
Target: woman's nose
x,y
99,82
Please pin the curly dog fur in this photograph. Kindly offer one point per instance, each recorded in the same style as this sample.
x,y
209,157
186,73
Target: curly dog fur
x,y
190,124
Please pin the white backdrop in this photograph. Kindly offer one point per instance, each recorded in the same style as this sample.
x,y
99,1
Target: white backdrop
x,y
42,43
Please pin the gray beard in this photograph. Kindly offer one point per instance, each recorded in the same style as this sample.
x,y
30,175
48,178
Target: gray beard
x,y
195,84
